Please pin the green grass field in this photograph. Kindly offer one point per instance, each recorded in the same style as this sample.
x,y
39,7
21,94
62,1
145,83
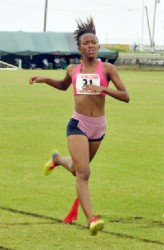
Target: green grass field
x,y
126,184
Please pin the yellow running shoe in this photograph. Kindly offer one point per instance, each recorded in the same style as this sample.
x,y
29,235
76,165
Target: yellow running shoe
x,y
95,226
50,165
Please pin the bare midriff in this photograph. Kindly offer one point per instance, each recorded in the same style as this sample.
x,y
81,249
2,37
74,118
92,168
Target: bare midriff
x,y
90,105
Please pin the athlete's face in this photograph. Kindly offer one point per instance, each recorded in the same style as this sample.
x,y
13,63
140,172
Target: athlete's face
x,y
89,45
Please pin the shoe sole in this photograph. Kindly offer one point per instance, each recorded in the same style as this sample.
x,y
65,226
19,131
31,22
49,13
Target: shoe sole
x,y
96,227
49,166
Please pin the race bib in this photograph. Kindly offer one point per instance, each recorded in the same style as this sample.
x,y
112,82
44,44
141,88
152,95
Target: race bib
x,y
83,79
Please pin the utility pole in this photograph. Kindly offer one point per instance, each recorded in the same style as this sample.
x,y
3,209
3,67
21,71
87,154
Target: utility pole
x,y
153,32
148,26
45,15
141,47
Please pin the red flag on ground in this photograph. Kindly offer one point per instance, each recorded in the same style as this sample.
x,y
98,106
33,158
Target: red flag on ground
x,y
73,212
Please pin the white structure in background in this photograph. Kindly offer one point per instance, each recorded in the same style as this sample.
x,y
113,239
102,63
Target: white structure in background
x,y
18,62
7,66
151,35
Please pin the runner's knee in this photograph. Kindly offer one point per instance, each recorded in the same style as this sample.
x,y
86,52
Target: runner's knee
x,y
83,174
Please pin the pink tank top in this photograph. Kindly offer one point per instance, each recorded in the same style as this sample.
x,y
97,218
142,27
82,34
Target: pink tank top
x,y
80,79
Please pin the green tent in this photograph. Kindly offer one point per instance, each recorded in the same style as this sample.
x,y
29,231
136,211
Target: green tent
x,y
54,43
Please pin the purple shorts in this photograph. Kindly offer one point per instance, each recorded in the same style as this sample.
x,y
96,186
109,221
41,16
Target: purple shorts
x,y
92,127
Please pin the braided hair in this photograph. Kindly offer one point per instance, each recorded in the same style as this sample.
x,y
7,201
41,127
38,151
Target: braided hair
x,y
84,27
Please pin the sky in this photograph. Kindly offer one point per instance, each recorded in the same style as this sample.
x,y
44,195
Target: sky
x,y
117,21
